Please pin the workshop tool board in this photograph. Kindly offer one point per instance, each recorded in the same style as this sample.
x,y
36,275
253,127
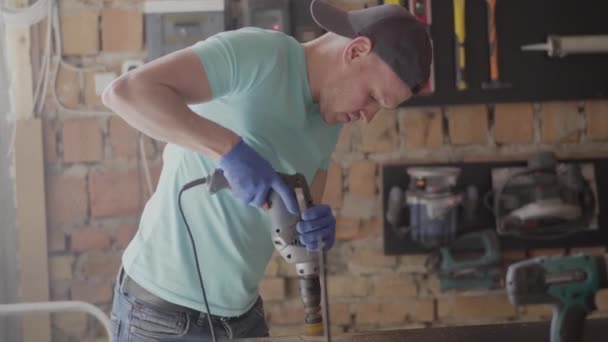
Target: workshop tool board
x,y
532,76
479,174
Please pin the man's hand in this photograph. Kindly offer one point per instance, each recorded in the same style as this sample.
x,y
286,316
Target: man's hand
x,y
318,222
251,177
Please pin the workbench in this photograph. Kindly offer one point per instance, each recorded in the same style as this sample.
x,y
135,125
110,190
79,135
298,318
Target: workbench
x,y
595,331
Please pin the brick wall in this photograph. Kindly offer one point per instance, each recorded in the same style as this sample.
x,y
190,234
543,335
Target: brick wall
x,y
96,190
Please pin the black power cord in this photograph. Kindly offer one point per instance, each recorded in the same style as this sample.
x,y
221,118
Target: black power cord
x,y
190,185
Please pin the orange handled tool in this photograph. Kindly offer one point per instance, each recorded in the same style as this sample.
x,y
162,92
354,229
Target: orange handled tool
x,y
495,81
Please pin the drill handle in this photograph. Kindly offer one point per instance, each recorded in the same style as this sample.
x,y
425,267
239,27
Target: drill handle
x,y
568,322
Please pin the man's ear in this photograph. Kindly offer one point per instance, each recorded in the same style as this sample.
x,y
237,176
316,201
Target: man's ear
x,y
356,48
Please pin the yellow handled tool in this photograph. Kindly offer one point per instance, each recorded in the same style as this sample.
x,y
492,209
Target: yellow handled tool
x,y
460,37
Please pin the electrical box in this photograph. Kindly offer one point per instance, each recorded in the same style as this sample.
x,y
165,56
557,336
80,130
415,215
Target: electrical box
x,y
267,14
175,24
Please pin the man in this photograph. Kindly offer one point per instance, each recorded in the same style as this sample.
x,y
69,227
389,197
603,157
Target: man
x,y
251,102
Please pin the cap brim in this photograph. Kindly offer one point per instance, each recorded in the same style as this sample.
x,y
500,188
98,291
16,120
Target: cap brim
x,y
331,18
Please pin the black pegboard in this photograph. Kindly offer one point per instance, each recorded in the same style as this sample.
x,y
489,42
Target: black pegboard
x,y
480,175
533,75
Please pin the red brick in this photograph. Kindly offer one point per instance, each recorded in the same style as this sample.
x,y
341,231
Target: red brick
x,y
340,313
82,140
370,258
121,30
332,194
60,290
91,99
50,141
597,119
96,265
514,123
395,286
124,140
560,121
88,239
80,33
114,193
423,127
344,144
380,135
92,292
368,313
347,286
371,228
413,263
290,313
362,179
359,207
74,324
124,234
486,307
272,268
347,228
67,201
468,125
68,87
56,240
272,289
61,267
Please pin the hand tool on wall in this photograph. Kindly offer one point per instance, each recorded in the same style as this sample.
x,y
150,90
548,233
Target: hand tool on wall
x,y
432,206
495,82
459,44
543,200
568,282
421,9
287,244
561,46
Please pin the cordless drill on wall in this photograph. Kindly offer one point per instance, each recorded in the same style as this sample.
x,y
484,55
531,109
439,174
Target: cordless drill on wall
x,y
568,282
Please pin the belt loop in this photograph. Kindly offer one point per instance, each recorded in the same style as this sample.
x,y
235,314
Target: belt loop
x,y
201,319
121,280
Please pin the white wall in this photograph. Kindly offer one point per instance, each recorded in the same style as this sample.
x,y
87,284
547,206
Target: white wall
x,y
8,254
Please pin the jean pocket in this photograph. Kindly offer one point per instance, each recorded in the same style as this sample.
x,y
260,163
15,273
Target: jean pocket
x,y
153,323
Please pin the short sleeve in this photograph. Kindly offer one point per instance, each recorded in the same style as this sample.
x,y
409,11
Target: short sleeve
x,y
236,61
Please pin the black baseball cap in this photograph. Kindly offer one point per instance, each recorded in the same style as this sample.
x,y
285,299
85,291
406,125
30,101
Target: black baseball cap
x,y
398,37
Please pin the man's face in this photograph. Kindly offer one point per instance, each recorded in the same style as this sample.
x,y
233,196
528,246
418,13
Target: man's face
x,y
363,84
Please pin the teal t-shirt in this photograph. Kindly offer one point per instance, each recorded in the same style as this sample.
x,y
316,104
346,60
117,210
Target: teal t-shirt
x,y
260,91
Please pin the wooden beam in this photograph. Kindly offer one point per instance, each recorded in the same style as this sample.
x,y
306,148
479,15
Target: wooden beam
x,y
29,167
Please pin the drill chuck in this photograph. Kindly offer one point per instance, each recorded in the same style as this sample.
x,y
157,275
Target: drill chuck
x,y
310,291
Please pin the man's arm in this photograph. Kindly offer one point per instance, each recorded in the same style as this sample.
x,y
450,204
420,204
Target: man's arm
x,y
154,99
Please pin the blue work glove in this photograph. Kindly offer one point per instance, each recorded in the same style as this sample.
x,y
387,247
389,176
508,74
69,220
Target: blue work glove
x,y
251,178
317,222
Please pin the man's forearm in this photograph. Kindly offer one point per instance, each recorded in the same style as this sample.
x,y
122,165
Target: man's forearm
x,y
159,112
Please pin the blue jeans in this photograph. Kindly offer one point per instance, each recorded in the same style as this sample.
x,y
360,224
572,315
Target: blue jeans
x,y
134,320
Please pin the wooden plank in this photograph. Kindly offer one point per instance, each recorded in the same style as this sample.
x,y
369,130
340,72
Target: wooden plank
x,y
30,194
31,226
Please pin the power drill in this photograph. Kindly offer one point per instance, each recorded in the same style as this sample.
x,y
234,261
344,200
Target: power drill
x,y
286,242
568,282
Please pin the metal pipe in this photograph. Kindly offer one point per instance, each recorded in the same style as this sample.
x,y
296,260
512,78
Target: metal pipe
x,y
59,306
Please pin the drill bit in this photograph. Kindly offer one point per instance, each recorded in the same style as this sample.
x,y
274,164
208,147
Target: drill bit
x,y
325,300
